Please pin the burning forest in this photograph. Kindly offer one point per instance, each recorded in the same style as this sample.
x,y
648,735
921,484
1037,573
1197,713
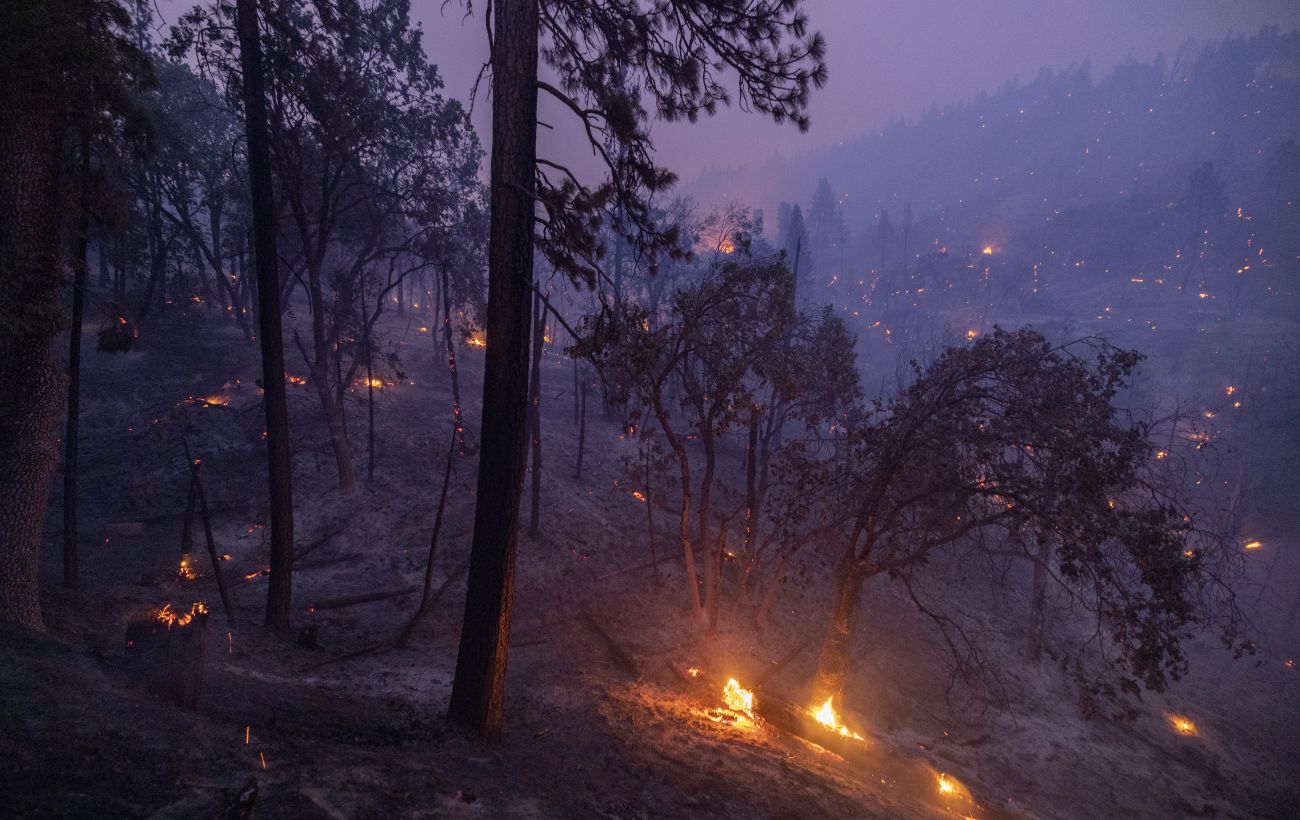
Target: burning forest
x,y
578,409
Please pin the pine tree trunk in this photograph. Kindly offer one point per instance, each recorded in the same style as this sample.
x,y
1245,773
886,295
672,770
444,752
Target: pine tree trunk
x,y
268,316
478,690
31,400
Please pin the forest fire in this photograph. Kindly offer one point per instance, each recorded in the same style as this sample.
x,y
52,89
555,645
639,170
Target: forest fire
x,y
827,716
477,340
737,698
186,571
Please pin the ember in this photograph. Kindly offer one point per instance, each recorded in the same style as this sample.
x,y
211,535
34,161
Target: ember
x,y
170,617
1182,725
186,571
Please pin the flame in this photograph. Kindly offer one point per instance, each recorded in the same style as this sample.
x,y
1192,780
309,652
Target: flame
x,y
947,786
988,250
727,246
694,671
170,617
291,379
827,717
1251,546
186,571
638,495
477,340
737,698
1182,725
971,334
213,400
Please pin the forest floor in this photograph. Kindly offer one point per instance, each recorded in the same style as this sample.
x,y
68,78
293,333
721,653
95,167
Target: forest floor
x,y
585,736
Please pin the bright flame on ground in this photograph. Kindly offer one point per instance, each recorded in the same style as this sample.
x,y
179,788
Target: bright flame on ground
x,y
694,672
971,334
1182,725
170,617
477,340
947,786
988,250
737,698
1251,546
186,570
827,717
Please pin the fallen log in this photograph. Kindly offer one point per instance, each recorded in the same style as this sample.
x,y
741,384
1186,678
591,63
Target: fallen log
x,y
356,600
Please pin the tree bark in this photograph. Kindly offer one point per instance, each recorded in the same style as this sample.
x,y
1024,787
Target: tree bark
x,y
268,316
833,663
478,690
71,439
31,140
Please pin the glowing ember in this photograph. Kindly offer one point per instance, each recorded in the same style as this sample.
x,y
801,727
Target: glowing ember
x,y
738,699
186,571
694,672
988,250
1251,546
477,340
172,618
638,495
827,717
1182,725
971,334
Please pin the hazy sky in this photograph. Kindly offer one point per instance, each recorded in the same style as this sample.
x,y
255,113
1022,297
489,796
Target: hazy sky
x,y
888,57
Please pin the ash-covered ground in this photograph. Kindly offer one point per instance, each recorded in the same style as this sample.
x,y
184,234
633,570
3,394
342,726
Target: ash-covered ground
x,y
591,731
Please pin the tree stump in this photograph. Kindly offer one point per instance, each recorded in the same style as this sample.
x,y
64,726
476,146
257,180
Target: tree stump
x,y
164,651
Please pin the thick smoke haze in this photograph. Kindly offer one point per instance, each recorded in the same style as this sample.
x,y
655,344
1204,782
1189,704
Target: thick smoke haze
x,y
887,60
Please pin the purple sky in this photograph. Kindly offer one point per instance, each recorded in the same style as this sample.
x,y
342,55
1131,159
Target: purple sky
x,y
891,57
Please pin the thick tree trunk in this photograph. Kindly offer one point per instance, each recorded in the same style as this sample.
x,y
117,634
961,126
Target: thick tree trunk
x,y
535,415
31,138
71,439
478,691
268,315
837,646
